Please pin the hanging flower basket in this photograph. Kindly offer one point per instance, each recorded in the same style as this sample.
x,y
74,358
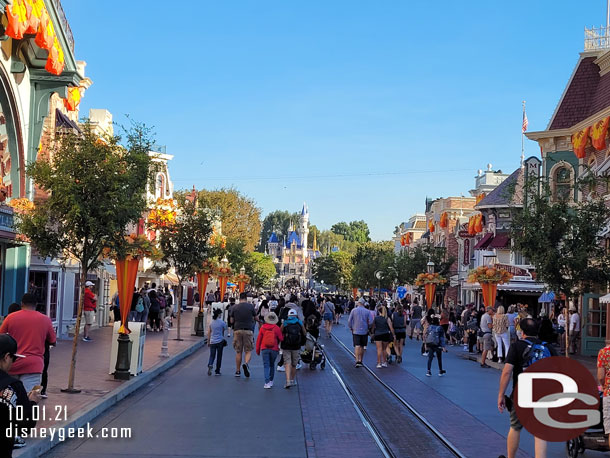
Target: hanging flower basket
x,y
426,279
489,274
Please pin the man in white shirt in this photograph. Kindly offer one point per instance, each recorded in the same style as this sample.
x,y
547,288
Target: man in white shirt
x,y
574,329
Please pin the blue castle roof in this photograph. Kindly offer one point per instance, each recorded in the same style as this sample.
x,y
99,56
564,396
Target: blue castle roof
x,y
273,238
293,237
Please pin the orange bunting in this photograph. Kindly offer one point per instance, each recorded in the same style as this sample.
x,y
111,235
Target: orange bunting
x,y
16,14
579,142
479,198
46,32
444,222
471,222
34,13
431,226
55,61
478,223
73,100
598,133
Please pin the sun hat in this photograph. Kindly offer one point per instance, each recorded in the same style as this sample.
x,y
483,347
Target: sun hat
x,y
271,318
292,312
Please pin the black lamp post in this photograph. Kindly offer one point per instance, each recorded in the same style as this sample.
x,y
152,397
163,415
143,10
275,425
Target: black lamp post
x,y
123,359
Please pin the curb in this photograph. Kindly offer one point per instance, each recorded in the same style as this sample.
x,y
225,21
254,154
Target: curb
x,y
93,410
476,358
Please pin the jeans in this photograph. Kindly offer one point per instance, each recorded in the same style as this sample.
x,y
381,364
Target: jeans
x,y
502,338
29,380
216,353
432,349
269,357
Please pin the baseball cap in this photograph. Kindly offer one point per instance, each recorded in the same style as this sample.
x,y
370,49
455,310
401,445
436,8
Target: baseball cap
x,y
89,283
292,312
9,345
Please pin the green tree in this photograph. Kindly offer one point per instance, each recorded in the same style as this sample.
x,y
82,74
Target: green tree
x,y
334,269
185,243
355,231
562,238
240,217
93,190
261,269
371,257
278,222
314,234
409,264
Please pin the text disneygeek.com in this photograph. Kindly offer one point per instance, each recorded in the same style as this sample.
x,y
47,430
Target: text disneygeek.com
x,y
61,433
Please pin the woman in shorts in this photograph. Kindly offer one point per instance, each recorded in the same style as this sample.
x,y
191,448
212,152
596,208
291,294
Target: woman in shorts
x,y
383,333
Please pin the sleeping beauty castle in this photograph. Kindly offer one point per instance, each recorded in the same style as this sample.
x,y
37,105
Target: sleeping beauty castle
x,y
290,254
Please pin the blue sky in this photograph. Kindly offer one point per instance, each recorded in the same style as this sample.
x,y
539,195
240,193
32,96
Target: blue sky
x,y
362,109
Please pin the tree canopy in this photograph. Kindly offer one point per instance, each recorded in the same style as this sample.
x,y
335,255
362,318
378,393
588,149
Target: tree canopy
x,y
409,264
371,257
355,231
277,221
334,269
260,268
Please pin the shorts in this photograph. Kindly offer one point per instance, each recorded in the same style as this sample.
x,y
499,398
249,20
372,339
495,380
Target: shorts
x,y
400,335
416,324
360,340
89,316
606,413
383,337
328,316
291,357
29,380
514,420
488,342
242,340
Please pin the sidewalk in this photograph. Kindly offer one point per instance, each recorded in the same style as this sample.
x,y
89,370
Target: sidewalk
x,y
99,389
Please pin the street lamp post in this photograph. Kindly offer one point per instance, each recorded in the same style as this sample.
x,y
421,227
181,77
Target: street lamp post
x,y
378,275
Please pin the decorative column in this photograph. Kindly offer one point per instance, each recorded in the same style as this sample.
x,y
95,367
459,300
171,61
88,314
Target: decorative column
x,y
127,270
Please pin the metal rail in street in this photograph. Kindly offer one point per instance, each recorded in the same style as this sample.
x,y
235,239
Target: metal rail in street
x,y
384,446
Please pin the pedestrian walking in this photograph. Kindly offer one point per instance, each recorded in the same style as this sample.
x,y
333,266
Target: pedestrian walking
x,y
216,341
416,315
14,397
574,330
328,312
603,377
434,337
89,308
425,322
499,328
267,344
399,322
143,315
243,315
154,312
294,337
521,355
359,323
383,333
486,336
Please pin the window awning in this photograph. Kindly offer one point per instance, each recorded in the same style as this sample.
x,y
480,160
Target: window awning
x,y
171,278
547,297
500,241
484,242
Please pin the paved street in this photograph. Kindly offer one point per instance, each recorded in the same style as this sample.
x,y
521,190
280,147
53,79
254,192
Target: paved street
x,y
185,413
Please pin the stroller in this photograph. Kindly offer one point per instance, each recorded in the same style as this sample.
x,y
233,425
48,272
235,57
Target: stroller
x,y
592,439
313,354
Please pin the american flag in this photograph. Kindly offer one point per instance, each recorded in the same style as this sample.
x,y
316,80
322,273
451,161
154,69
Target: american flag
x,y
524,125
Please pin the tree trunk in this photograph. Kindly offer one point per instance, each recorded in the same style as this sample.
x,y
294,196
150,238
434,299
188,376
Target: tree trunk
x,y
81,303
179,299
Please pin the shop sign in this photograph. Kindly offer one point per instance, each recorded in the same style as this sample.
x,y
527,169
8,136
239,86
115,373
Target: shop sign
x,y
516,271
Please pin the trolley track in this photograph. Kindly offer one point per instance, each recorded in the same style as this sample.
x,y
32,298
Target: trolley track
x,y
397,428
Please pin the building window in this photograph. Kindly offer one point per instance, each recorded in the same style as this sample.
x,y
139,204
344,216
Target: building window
x,y
53,296
160,186
38,287
76,295
562,180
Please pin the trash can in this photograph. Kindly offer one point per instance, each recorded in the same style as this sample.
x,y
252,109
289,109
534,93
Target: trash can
x,y
137,337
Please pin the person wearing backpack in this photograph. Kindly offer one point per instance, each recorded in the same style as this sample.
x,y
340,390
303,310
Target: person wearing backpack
x,y
267,343
434,338
522,354
294,336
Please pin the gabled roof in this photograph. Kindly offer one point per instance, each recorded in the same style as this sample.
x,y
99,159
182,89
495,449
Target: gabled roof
x,y
509,193
273,238
586,94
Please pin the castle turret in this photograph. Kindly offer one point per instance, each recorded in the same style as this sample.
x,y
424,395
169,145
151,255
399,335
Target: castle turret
x,y
304,226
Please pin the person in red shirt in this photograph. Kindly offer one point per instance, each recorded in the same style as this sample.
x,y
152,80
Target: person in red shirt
x,y
89,308
31,330
268,341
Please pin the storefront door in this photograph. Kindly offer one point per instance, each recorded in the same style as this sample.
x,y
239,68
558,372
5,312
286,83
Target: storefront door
x,y
594,325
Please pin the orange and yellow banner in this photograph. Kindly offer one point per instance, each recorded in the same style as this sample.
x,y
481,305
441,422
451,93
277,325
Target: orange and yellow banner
x,y
598,133
202,286
73,100
430,289
126,273
579,142
489,293
444,222
431,226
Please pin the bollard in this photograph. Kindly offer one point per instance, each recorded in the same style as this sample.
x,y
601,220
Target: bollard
x,y
164,352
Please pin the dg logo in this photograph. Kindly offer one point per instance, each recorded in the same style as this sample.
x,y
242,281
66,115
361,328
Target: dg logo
x,y
557,399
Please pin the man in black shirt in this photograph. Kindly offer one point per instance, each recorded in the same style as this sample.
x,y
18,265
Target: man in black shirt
x,y
514,366
243,338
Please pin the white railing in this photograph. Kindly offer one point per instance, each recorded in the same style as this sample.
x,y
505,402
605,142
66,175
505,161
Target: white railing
x,y
597,38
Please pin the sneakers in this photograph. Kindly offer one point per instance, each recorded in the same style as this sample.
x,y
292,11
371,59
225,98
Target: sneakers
x,y
217,373
288,385
270,383
280,369
425,354
267,385
378,366
358,363
398,359
465,347
85,339
384,364
19,442
299,365
209,370
246,369
44,396
442,373
237,374
293,383
428,374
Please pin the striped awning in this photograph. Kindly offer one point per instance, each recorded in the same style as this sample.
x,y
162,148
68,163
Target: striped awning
x,y
547,296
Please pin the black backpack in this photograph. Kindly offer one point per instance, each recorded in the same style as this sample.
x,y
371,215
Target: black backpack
x,y
292,335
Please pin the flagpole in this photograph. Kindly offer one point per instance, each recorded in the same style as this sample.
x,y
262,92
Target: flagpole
x,y
522,135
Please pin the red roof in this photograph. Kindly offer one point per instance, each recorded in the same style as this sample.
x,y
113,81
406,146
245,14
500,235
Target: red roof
x,y
587,94
500,241
484,241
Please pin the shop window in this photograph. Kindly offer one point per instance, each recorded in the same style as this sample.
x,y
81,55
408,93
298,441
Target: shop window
x,y
76,295
53,296
38,287
562,183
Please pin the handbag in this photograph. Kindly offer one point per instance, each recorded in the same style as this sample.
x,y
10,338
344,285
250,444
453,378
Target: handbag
x,y
224,342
